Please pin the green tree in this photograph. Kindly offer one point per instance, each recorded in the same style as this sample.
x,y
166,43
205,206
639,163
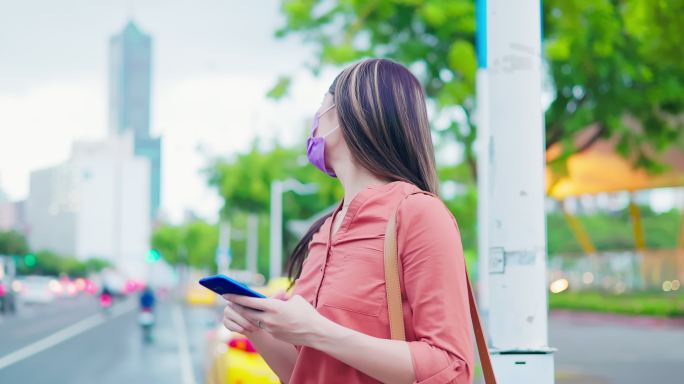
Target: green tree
x,y
610,62
53,264
96,265
463,205
201,241
47,263
611,231
435,38
13,243
192,244
244,182
168,240
618,65
614,65
72,267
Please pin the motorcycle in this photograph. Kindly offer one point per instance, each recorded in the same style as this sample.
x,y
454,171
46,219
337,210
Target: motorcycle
x,y
106,303
146,321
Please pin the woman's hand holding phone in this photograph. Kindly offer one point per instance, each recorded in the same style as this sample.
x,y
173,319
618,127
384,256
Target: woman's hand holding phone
x,y
294,321
235,322
248,312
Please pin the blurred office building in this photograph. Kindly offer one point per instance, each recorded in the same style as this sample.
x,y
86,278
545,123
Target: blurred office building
x,y
130,76
12,216
96,204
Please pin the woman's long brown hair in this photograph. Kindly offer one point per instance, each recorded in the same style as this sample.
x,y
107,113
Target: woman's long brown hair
x,y
383,116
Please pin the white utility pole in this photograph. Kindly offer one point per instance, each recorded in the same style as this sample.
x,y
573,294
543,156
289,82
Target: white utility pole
x,y
276,259
514,195
279,187
252,242
482,116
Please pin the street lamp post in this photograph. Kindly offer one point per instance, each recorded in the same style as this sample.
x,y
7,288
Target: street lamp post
x,y
223,251
252,242
278,187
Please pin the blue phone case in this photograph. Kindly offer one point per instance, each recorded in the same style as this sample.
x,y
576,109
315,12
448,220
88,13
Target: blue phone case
x,y
222,284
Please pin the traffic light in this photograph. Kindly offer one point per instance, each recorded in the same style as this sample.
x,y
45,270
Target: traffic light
x,y
153,255
29,260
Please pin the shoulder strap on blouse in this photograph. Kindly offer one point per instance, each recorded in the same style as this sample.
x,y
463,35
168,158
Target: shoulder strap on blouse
x,y
394,303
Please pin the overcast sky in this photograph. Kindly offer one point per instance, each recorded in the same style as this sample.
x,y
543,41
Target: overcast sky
x,y
213,62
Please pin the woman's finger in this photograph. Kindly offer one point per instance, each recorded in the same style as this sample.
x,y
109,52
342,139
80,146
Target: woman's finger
x,y
233,326
261,304
252,315
230,313
248,313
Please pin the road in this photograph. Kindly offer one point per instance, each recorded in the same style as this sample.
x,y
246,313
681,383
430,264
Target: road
x,y
595,349
71,342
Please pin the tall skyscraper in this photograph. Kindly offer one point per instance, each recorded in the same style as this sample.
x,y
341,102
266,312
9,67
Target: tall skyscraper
x,y
130,73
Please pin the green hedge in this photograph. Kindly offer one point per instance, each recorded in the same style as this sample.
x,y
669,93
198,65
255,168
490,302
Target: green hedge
x,y
670,304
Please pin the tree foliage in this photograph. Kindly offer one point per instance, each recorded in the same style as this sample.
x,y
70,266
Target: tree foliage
x,y
244,182
616,64
13,243
191,244
435,38
45,262
610,62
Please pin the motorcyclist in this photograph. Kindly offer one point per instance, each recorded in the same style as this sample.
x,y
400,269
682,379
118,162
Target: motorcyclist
x,y
105,298
147,299
146,318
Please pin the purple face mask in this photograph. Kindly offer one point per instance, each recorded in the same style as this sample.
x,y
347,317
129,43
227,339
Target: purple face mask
x,y
315,146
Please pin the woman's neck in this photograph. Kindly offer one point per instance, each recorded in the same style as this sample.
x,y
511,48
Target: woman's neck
x,y
354,180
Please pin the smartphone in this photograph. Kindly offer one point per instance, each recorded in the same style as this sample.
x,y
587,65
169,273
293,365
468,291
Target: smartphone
x,y
222,284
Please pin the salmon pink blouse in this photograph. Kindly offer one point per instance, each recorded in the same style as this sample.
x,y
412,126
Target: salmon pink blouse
x,y
343,278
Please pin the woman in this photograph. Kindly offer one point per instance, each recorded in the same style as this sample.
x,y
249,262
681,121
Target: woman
x,y
372,133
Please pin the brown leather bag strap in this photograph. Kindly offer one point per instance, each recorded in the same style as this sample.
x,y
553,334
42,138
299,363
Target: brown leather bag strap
x,y
480,340
392,283
394,304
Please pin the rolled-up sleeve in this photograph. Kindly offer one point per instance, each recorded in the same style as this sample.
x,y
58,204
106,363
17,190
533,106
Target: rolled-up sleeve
x,y
429,245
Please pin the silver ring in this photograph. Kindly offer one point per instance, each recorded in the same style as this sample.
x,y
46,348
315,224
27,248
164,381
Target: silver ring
x,y
259,325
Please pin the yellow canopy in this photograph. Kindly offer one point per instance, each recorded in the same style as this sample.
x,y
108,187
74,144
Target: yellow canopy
x,y
600,169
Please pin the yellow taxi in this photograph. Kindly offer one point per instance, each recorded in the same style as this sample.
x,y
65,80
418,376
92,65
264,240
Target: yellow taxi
x,y
195,294
232,357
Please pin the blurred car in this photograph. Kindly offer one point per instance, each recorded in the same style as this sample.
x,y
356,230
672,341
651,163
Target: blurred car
x,y
7,299
90,287
7,294
84,285
37,289
235,361
114,281
232,357
56,287
196,294
69,288
276,287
